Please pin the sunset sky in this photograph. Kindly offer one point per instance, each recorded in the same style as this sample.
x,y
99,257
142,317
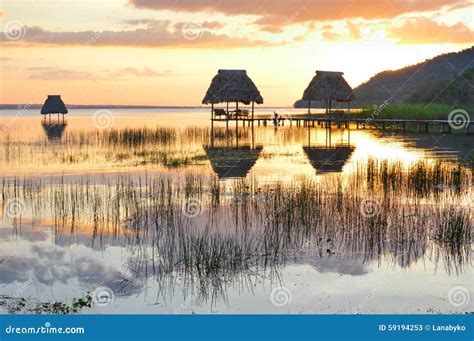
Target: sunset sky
x,y
165,52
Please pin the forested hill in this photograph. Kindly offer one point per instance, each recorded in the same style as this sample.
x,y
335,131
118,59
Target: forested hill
x,y
437,79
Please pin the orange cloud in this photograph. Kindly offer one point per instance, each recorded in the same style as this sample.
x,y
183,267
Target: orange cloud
x,y
156,34
410,31
283,12
427,31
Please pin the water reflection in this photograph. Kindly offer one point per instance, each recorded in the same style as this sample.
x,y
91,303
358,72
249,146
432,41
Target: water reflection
x,y
54,130
232,162
130,230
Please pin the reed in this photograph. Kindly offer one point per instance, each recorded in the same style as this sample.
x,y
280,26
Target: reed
x,y
246,227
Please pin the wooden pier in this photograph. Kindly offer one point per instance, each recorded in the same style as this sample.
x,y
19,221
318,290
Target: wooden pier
x,y
443,126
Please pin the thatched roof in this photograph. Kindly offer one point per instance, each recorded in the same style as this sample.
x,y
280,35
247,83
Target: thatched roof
x,y
328,160
53,105
233,162
328,85
232,86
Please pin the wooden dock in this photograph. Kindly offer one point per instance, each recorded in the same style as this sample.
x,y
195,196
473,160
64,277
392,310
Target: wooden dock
x,y
443,126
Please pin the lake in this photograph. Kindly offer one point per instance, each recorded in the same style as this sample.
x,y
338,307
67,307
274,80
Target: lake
x,y
151,212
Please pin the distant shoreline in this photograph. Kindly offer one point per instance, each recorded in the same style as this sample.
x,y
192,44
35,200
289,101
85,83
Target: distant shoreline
x,y
112,106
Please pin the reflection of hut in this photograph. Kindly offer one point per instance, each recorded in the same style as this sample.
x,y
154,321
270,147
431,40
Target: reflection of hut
x,y
54,105
328,159
328,86
232,86
54,131
232,162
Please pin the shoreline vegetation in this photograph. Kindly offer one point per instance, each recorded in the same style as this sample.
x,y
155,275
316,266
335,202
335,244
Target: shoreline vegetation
x,y
412,111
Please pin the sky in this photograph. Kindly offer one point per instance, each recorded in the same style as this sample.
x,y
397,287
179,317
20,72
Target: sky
x,y
165,52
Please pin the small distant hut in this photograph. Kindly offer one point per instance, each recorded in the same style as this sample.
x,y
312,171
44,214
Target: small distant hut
x,y
230,86
328,86
54,105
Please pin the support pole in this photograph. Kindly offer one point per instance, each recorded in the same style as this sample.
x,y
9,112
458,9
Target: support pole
x,y
212,124
227,122
237,122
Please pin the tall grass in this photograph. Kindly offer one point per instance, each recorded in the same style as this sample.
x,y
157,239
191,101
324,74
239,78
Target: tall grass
x,y
409,111
249,227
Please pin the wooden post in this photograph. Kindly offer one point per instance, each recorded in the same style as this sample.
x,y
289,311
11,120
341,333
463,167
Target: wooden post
x,y
212,124
227,121
237,122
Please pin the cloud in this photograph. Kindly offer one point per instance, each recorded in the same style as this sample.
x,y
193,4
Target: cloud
x,y
155,34
137,72
52,73
427,31
50,264
283,12
409,31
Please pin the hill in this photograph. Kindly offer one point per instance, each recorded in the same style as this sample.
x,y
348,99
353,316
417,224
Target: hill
x,y
421,82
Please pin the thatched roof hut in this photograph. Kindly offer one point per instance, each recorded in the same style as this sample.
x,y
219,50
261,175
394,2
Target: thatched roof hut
x,y
328,85
232,162
232,86
328,159
53,105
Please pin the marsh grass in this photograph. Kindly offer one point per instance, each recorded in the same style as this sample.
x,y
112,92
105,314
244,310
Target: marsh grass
x,y
409,111
246,228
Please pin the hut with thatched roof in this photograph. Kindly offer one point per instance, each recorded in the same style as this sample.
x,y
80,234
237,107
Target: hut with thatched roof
x,y
328,159
230,86
232,162
54,105
328,86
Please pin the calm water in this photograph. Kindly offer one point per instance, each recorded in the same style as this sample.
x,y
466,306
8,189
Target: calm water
x,y
263,220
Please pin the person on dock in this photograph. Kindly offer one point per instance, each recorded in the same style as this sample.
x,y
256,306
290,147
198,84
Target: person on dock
x,y
275,119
